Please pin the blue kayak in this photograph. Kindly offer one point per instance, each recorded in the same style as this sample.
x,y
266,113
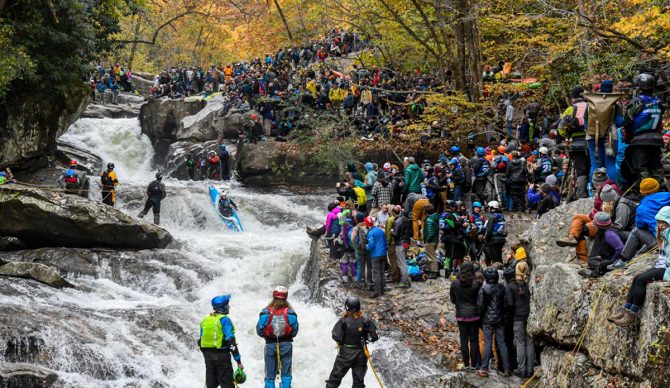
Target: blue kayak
x,y
232,222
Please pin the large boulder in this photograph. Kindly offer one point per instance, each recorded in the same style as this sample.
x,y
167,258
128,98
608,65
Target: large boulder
x,y
203,125
51,218
36,271
570,312
86,161
31,121
232,124
161,118
128,106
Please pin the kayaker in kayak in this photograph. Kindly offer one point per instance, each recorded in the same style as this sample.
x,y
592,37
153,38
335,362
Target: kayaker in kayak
x,y
226,205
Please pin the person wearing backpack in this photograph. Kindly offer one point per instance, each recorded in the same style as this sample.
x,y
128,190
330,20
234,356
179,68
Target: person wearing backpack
x,y
643,125
359,239
109,182
480,168
155,194
573,126
278,325
495,235
351,333
70,180
217,342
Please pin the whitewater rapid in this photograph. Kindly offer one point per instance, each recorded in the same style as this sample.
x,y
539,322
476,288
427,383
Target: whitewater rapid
x,y
248,265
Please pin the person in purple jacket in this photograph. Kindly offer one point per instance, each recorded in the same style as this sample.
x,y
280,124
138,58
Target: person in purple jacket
x,y
607,246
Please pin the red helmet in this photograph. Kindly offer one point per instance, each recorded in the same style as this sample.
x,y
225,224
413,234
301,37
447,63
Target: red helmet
x,y
73,162
254,117
280,292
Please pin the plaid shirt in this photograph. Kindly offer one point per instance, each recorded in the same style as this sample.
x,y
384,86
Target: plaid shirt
x,y
381,194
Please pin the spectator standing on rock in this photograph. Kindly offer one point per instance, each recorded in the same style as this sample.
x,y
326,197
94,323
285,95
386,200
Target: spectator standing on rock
x,y
377,249
495,234
402,234
491,306
413,176
463,294
518,300
431,233
155,194
190,166
351,333
109,182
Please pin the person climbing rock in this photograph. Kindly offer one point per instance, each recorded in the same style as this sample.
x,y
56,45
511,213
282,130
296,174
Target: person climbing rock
x,y
109,182
217,342
226,205
73,181
351,333
155,194
278,324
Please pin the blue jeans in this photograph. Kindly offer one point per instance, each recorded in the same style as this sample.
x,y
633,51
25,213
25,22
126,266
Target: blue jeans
x,y
499,331
286,356
510,128
599,161
458,193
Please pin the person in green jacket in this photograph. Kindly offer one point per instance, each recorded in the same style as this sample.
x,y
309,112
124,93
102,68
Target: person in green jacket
x,y
431,232
413,176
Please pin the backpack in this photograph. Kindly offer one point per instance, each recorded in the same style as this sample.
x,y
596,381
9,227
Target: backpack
x,y
278,324
362,236
467,182
499,226
155,189
576,122
71,177
601,111
361,198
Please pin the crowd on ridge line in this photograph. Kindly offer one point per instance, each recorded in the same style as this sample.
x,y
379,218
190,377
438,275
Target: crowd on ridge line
x,y
115,79
445,215
278,326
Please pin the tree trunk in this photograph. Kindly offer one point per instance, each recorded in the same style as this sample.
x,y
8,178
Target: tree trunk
x,y
283,20
133,46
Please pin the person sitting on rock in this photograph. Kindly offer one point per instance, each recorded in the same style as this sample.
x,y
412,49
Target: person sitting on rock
x,y
607,247
627,315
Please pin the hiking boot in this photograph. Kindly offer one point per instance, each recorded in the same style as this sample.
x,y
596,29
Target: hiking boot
x,y
629,318
507,373
616,265
618,315
569,241
432,275
585,272
483,373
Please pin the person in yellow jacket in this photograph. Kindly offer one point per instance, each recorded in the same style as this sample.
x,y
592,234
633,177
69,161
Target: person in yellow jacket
x,y
311,86
336,95
228,71
109,183
217,343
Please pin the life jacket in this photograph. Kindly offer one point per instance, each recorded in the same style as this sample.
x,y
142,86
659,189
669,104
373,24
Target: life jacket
x,y
546,166
483,168
361,198
649,118
213,160
212,332
106,180
278,324
155,189
189,163
71,177
448,223
478,221
499,225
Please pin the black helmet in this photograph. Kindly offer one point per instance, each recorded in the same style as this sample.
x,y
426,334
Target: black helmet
x,y
352,304
458,204
509,272
110,166
159,175
645,81
449,204
491,274
577,92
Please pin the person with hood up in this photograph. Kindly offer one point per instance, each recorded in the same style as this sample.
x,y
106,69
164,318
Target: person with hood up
x,y
463,294
518,300
413,176
402,234
547,200
517,178
606,248
491,307
628,313
431,238
370,180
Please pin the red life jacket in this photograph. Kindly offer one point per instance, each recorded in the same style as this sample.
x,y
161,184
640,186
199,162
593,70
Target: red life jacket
x,y
214,160
275,321
70,176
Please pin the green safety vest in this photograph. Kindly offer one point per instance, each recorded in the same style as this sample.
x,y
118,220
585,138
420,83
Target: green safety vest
x,y
212,331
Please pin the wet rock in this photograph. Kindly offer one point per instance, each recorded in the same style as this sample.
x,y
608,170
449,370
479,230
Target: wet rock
x,y
99,111
50,218
161,118
86,161
8,243
203,125
35,271
21,375
233,123
565,306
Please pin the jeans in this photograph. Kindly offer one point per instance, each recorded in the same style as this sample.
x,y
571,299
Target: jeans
x,y
599,161
364,267
636,239
286,357
525,351
499,331
401,255
378,274
469,333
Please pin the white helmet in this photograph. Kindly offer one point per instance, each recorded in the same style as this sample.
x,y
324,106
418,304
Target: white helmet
x,y
544,150
494,205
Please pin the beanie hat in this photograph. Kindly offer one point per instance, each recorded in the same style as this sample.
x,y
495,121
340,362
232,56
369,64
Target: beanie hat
x,y
599,177
608,194
360,217
545,188
649,186
369,221
602,220
551,179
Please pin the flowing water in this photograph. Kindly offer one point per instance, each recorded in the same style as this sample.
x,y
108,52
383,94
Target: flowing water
x,y
135,324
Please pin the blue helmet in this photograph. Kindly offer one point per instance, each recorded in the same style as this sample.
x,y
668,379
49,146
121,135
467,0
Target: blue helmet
x,y
476,204
368,166
505,159
220,303
455,149
480,151
443,159
453,161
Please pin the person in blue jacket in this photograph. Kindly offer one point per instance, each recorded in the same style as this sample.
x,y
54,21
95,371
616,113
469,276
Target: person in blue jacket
x,y
278,325
217,342
378,249
643,235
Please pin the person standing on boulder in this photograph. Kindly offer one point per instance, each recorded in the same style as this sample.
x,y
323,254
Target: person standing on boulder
x,y
278,324
155,194
351,333
217,342
109,183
